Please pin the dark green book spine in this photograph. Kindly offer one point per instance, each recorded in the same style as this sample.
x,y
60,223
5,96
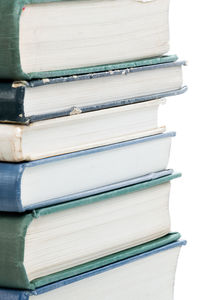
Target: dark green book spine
x,y
12,103
13,229
10,11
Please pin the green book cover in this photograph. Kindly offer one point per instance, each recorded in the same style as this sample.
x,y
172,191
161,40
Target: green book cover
x,y
10,58
14,227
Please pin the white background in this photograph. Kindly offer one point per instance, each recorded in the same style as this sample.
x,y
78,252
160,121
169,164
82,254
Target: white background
x,y
182,114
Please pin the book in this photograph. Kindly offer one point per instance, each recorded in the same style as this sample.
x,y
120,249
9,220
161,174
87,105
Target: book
x,y
77,34
137,272
101,87
61,178
45,241
79,132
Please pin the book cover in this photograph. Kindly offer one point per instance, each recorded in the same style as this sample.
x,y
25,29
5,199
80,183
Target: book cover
x,y
12,93
13,273
104,264
10,60
12,173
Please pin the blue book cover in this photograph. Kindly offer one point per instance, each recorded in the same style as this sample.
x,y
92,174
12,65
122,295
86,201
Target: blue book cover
x,y
21,184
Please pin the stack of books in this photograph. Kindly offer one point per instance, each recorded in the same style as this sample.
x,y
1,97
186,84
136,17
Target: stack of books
x,y
84,177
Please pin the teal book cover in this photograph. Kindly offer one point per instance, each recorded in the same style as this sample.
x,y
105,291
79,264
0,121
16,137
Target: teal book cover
x,y
28,41
17,277
19,232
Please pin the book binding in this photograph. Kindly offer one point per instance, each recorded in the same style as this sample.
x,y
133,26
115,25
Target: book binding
x,y
12,93
98,266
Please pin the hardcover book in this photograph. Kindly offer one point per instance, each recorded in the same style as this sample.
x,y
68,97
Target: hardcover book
x,y
137,273
79,132
77,34
44,243
75,175
114,85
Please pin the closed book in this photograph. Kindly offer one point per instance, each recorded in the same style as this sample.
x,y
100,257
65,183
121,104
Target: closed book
x,y
77,34
101,87
44,245
143,272
79,132
66,177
